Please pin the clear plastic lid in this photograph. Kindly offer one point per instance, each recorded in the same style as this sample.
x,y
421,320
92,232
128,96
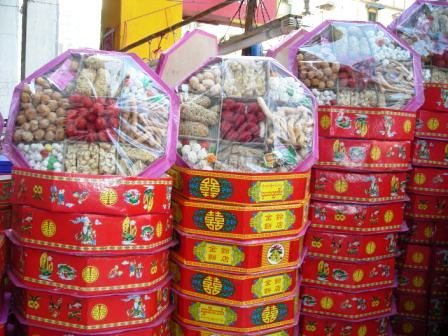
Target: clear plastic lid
x,y
424,25
246,114
93,112
358,64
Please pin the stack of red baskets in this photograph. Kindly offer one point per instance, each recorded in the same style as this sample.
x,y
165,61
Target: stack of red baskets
x,y
423,274
358,184
356,212
95,265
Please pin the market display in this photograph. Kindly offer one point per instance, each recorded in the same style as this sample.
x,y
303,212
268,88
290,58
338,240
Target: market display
x,y
421,289
357,65
245,115
93,112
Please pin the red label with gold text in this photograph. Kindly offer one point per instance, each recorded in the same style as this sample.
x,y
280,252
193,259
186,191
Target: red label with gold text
x,y
241,319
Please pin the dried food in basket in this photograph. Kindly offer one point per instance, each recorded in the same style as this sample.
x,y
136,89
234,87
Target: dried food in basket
x,y
246,115
93,112
424,25
358,65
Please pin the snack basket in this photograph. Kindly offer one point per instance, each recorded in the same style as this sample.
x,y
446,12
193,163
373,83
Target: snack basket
x,y
358,64
93,112
246,115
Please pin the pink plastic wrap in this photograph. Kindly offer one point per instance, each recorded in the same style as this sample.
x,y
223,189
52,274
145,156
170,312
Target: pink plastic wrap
x,y
358,64
93,112
424,25
246,115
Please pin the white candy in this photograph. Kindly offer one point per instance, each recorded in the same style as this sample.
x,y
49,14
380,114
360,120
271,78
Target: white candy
x,y
186,149
192,157
195,147
202,154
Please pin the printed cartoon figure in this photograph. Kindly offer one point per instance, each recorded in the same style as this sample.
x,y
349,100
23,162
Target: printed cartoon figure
x,y
321,183
438,179
129,231
55,307
338,151
444,254
384,270
275,254
66,272
375,216
138,310
373,272
394,186
422,149
360,217
361,124
147,233
45,266
361,304
26,223
115,272
403,280
444,95
323,271
81,196
320,213
374,189
74,310
88,235
168,194
392,246
346,330
139,271
353,247
402,153
148,198
382,327
53,193
61,197
441,205
336,245
329,329
132,196
343,121
37,192
403,186
340,275
22,188
346,304
388,124
390,152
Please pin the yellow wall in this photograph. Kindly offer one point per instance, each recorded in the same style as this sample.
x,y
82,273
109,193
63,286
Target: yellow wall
x,y
135,19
